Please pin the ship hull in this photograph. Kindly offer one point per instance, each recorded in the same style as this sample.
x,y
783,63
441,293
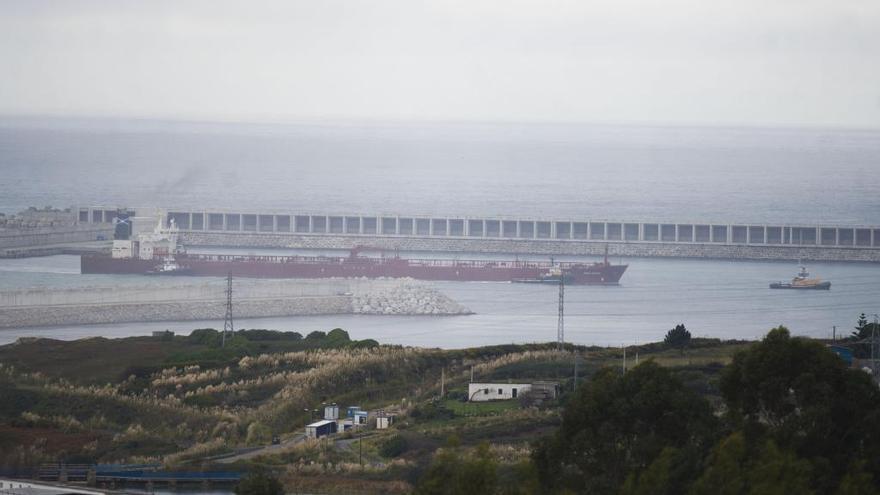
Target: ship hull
x,y
819,286
319,267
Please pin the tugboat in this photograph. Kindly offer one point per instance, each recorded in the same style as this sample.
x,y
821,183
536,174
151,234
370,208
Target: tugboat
x,y
802,281
169,266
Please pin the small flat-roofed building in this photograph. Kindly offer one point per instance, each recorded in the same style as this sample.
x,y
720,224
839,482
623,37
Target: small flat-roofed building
x,y
360,417
321,428
383,422
331,412
357,415
481,392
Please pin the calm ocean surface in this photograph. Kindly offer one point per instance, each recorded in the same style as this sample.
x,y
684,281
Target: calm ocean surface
x,y
591,172
580,171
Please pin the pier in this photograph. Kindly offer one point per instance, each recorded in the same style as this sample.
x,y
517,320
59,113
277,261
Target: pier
x,y
582,236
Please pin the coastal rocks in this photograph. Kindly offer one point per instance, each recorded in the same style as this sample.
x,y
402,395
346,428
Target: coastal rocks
x,y
407,298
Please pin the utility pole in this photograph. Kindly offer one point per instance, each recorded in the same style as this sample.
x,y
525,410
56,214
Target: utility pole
x,y
873,345
227,322
576,359
834,333
472,373
560,323
624,359
442,382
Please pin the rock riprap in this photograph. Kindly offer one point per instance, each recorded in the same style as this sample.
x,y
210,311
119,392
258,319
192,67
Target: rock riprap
x,y
407,298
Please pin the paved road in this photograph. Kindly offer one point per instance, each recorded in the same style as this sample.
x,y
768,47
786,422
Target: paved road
x,y
267,450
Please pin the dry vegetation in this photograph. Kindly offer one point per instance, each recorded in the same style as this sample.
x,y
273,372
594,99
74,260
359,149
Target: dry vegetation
x,y
208,401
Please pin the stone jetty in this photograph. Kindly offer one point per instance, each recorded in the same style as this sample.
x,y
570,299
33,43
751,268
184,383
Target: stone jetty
x,y
253,298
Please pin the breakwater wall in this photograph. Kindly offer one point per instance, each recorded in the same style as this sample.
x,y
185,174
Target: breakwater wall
x,y
510,235
15,237
207,301
535,247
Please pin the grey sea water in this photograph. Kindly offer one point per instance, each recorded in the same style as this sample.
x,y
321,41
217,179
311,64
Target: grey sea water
x,y
567,171
712,298
580,171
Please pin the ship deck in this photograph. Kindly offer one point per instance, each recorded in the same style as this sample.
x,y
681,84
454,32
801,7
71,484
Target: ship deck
x,y
413,262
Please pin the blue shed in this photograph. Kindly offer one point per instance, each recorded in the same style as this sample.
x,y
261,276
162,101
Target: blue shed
x,y
845,353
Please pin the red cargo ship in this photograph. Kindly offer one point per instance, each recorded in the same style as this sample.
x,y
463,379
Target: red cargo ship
x,y
219,265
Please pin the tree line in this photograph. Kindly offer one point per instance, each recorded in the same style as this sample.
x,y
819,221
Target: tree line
x,y
794,419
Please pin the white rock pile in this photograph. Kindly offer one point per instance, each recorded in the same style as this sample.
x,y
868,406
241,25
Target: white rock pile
x,y
407,298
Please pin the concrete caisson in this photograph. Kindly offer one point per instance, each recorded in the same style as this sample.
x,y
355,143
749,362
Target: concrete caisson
x,y
576,236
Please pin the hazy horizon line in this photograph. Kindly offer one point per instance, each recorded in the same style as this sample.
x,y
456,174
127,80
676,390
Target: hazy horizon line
x,y
340,121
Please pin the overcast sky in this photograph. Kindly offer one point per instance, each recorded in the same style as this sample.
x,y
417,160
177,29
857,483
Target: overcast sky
x,y
801,62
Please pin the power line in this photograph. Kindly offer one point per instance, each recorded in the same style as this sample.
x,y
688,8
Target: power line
x,y
227,322
560,322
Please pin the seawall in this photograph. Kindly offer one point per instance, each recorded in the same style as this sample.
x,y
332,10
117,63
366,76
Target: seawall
x,y
533,246
12,238
207,301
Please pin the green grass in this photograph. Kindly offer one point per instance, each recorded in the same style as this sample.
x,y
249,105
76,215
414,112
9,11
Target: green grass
x,y
480,408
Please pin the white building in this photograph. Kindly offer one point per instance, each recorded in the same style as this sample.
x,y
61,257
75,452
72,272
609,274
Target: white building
x,y
331,412
360,417
481,392
384,420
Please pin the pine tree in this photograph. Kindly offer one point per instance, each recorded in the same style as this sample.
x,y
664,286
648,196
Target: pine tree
x,y
679,337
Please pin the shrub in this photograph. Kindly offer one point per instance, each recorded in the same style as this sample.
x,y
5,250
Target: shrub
x,y
206,336
258,434
393,446
259,483
432,410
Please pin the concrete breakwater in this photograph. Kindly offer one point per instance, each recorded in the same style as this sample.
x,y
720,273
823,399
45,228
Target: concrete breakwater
x,y
14,238
508,235
535,247
206,301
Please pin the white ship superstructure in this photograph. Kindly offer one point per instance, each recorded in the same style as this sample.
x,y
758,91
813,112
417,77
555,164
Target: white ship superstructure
x,y
161,242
